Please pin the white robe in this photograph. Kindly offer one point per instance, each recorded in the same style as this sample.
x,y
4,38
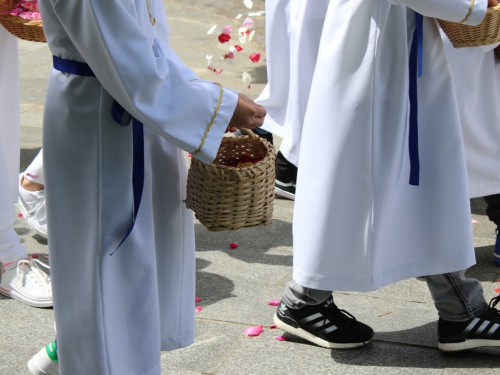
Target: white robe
x,y
476,75
358,224
9,126
293,31
115,313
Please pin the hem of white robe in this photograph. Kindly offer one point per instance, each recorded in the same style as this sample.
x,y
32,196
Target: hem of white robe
x,y
483,190
155,371
439,266
178,342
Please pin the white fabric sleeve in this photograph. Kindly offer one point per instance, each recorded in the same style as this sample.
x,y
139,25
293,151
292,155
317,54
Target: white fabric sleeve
x,y
149,81
469,12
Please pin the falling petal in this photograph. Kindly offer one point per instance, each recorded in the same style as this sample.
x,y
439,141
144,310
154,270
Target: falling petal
x,y
223,38
274,302
248,3
239,16
254,331
281,338
233,245
34,256
197,299
248,23
272,326
211,30
255,57
190,155
19,215
229,55
250,37
238,48
260,13
474,221
217,72
228,29
246,79
198,309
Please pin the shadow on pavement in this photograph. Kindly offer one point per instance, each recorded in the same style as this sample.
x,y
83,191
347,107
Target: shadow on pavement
x,y
210,287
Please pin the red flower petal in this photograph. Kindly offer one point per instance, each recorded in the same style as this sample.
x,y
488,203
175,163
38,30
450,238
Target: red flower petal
x,y
273,326
34,256
223,38
197,299
281,338
254,331
497,290
233,245
238,48
229,55
255,57
19,215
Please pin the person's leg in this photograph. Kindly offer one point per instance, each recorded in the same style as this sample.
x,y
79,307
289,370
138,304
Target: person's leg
x,y
32,196
312,315
493,212
465,319
286,177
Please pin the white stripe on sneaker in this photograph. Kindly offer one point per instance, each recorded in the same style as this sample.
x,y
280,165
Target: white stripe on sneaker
x,y
319,324
330,329
471,326
483,326
311,317
492,330
285,184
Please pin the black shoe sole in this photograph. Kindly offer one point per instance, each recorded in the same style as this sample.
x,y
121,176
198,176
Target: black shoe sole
x,y
315,339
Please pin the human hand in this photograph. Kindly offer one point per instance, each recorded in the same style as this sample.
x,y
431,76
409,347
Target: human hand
x,y
248,114
492,3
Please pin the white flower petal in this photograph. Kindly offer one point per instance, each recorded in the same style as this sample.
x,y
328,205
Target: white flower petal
x,y
248,3
211,30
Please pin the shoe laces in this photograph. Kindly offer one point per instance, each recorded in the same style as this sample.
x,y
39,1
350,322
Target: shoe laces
x,y
34,271
39,204
493,303
343,316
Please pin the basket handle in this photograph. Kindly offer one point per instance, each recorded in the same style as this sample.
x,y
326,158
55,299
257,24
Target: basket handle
x,y
248,132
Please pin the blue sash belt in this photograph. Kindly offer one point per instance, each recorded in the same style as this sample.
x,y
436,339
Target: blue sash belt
x,y
123,118
416,60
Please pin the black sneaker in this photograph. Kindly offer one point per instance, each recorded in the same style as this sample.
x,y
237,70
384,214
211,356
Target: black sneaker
x,y
324,325
286,177
483,330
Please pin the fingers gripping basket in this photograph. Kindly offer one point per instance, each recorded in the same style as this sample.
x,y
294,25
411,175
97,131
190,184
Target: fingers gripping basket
x,y
226,197
487,32
18,26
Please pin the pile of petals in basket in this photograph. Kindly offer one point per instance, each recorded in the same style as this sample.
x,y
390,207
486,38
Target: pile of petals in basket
x,y
245,161
26,9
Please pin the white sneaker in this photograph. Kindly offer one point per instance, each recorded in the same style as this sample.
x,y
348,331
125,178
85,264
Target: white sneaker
x,y
45,361
32,206
28,283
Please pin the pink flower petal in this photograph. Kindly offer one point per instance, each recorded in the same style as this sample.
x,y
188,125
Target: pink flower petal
x,y
197,299
281,338
228,29
190,155
198,309
19,215
233,245
473,221
274,302
229,55
254,331
46,257
255,57
497,290
248,23
272,326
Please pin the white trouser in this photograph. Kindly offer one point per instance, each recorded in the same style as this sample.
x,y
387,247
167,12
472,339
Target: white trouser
x,y
34,172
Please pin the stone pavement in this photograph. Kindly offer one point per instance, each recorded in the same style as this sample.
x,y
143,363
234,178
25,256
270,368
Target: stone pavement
x,y
235,285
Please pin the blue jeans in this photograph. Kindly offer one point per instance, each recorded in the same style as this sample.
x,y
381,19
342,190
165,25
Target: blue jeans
x,y
456,297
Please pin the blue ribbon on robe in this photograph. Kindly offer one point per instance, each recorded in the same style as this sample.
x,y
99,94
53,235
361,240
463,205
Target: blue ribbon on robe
x,y
122,117
416,61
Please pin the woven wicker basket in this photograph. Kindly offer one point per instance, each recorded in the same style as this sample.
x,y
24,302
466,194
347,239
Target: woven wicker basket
x,y
487,32
225,197
20,27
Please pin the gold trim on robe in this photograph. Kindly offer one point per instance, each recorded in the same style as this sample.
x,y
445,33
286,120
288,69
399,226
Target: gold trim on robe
x,y
212,120
471,8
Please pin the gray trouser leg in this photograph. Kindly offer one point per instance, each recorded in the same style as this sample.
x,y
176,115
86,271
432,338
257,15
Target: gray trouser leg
x,y
457,297
297,296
